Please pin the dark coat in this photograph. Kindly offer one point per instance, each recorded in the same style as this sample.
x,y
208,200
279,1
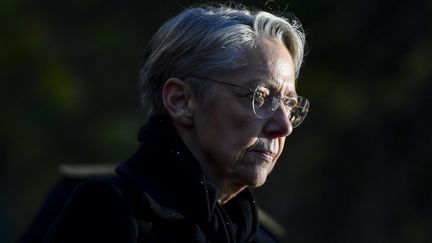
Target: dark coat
x,y
160,194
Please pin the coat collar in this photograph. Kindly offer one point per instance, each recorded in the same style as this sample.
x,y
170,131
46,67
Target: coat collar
x,y
172,185
168,176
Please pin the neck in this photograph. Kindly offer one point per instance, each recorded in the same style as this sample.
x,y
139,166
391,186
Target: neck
x,y
225,195
227,189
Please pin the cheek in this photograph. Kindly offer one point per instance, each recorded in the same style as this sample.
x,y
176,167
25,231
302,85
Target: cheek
x,y
243,130
230,126
233,117
235,134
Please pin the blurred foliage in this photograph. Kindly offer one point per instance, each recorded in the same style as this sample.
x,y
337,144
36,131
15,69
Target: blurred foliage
x,y
357,170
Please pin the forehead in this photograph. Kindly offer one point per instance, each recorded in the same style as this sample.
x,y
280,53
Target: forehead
x,y
287,88
271,65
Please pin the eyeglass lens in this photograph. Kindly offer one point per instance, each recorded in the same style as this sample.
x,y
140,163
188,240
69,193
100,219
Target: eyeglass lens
x,y
265,104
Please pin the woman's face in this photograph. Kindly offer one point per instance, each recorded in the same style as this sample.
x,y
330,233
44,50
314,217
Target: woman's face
x,y
233,145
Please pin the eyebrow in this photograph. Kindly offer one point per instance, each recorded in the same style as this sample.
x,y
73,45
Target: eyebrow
x,y
272,84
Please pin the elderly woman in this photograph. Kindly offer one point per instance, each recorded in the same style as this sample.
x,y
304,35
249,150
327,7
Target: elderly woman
x,y
219,91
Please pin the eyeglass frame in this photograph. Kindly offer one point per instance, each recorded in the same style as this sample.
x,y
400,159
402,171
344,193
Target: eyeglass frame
x,y
304,108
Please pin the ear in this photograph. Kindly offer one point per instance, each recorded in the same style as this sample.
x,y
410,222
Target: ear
x,y
179,101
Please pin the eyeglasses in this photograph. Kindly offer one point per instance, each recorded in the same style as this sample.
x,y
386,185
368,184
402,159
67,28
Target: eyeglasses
x,y
265,102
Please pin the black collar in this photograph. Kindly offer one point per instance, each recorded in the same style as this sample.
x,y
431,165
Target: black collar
x,y
167,173
171,181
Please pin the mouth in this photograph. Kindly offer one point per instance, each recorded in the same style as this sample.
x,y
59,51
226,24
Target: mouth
x,y
267,155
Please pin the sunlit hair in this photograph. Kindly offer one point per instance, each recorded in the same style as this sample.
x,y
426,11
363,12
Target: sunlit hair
x,y
205,40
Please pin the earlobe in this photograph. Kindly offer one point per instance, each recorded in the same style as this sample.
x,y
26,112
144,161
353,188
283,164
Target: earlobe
x,y
178,101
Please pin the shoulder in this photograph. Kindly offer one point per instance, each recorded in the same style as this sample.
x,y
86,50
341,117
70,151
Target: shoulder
x,y
95,211
96,195
101,188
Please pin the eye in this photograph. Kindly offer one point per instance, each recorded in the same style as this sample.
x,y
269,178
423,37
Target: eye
x,y
260,96
289,102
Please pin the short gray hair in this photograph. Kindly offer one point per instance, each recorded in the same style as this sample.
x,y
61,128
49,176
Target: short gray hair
x,y
204,40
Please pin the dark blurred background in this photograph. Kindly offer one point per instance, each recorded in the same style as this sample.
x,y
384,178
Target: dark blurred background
x,y
357,170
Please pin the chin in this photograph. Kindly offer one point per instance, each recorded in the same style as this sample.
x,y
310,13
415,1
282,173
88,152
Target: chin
x,y
258,183
255,179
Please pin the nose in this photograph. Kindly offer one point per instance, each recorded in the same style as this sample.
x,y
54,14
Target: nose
x,y
278,125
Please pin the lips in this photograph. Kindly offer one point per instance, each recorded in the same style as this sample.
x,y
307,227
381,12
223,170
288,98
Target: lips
x,y
265,149
266,154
